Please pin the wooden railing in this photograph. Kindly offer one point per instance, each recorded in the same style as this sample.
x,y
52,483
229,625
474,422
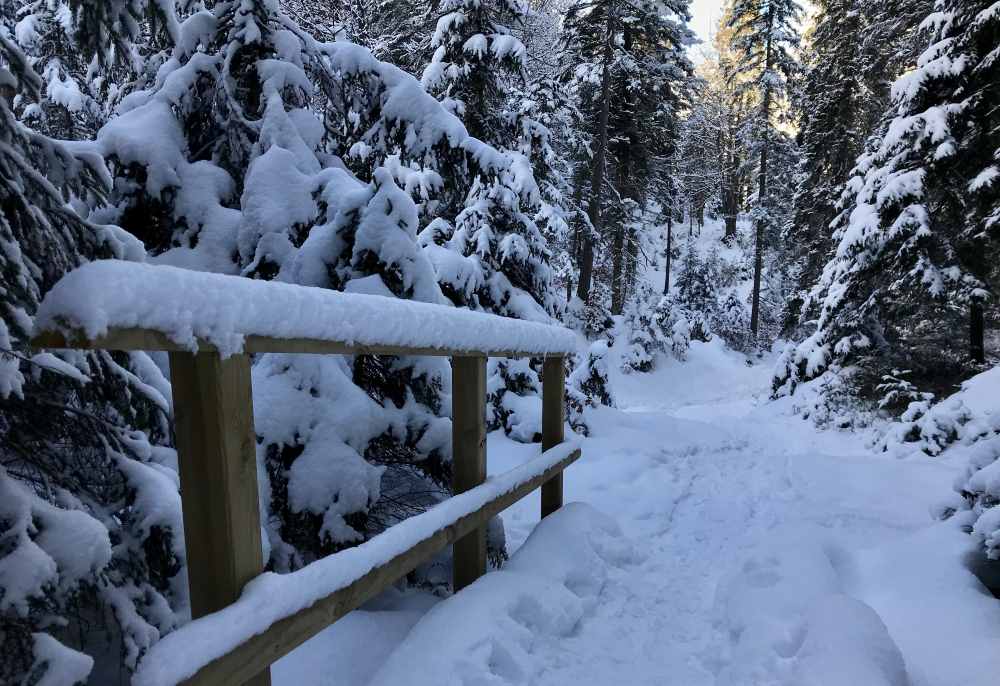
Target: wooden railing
x,y
215,439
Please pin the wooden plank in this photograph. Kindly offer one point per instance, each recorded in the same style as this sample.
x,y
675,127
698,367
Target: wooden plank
x,y
553,426
468,462
286,635
216,450
142,339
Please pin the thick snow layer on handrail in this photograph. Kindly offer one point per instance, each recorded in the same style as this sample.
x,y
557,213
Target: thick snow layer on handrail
x,y
223,310
272,597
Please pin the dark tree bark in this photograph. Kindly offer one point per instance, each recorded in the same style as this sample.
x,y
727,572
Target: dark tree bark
x,y
758,263
597,177
977,330
670,231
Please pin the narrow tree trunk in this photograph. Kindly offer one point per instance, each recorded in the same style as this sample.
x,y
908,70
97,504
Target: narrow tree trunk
x,y
977,329
762,202
729,209
670,230
597,177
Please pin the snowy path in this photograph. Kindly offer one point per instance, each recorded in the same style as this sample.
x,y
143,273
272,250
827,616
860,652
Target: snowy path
x,y
701,478
743,517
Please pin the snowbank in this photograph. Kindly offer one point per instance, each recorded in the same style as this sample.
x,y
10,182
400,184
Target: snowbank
x,y
272,597
783,618
223,310
497,629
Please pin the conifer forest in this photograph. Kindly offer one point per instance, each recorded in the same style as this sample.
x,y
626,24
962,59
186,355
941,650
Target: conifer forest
x,y
753,244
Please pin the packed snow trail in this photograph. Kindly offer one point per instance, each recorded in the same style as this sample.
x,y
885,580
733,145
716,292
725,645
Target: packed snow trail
x,y
766,552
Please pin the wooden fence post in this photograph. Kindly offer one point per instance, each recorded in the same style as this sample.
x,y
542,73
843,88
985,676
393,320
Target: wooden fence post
x,y
216,450
468,401
553,419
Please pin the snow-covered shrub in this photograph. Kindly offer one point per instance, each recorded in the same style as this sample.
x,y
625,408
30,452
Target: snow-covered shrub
x,y
596,319
587,385
897,391
731,321
513,399
925,426
643,333
680,337
979,487
697,280
829,401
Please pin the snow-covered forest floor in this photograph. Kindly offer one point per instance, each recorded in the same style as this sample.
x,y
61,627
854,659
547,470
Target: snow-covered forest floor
x,y
753,548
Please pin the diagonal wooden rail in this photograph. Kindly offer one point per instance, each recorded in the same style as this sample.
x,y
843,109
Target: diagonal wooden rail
x,y
236,635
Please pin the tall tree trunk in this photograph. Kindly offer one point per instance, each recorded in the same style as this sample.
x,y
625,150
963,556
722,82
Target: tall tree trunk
x,y
670,230
762,201
597,176
729,211
977,330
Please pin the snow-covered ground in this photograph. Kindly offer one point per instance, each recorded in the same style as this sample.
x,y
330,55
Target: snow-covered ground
x,y
750,548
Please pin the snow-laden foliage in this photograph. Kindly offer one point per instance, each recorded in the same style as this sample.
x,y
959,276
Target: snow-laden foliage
x,y
587,385
917,234
91,540
976,504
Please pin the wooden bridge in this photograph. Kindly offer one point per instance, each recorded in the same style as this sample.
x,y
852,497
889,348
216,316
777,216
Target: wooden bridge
x,y
98,307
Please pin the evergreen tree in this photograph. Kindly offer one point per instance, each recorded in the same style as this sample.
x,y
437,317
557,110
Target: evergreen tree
x,y
764,34
630,52
90,523
845,91
917,243
475,59
696,280
89,56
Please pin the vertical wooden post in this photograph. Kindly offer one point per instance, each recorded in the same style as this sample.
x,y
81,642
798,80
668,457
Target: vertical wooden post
x,y
553,420
468,400
216,450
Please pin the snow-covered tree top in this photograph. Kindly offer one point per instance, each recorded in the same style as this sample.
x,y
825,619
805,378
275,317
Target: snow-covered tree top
x,y
188,306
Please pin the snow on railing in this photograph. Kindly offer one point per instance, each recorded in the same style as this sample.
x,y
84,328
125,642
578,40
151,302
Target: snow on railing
x,y
210,324
234,314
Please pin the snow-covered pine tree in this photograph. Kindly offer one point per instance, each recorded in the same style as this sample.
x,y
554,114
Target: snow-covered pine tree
x,y
696,280
764,35
476,59
90,522
731,321
89,55
631,52
854,50
916,262
644,336
476,63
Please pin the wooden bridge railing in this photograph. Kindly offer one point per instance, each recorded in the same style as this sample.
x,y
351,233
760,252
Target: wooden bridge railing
x,y
236,634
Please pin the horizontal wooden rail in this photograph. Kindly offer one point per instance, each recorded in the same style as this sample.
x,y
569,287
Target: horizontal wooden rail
x,y
256,653
142,339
